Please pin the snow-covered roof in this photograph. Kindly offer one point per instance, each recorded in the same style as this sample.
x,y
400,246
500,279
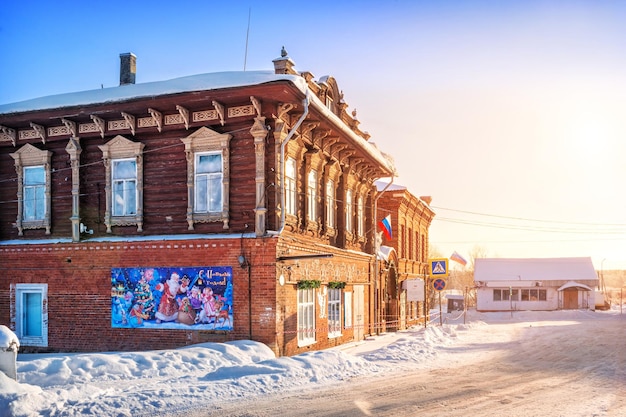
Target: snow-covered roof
x,y
533,269
380,185
187,84
200,82
455,297
572,284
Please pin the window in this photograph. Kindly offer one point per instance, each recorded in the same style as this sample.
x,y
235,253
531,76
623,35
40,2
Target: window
x,y
306,316
347,307
542,295
124,183
290,186
208,177
360,218
506,294
349,214
312,196
329,102
334,312
208,183
34,193
123,162
330,204
31,316
33,188
416,254
533,295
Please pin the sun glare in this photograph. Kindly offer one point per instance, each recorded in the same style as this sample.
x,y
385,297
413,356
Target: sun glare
x,y
591,133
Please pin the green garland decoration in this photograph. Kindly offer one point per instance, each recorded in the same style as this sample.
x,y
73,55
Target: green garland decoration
x,y
308,284
337,285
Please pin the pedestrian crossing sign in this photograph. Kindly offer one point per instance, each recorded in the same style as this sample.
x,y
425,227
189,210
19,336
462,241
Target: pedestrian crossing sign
x,y
438,267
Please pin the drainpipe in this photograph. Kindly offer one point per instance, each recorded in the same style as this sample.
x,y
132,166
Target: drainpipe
x,y
376,255
305,103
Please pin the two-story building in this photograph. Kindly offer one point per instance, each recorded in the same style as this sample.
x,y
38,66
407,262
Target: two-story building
x,y
215,207
403,255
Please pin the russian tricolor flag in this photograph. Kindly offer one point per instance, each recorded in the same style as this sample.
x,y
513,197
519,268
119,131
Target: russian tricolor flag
x,y
458,258
385,225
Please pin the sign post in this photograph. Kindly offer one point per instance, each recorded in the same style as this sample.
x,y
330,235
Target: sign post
x,y
439,284
439,271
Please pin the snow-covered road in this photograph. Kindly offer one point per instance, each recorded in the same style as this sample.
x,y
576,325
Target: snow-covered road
x,y
564,364
560,363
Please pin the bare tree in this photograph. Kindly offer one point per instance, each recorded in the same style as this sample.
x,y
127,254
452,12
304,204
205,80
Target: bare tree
x,y
434,252
476,252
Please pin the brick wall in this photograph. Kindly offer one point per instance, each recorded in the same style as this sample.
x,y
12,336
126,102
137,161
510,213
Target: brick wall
x,y
79,289
79,293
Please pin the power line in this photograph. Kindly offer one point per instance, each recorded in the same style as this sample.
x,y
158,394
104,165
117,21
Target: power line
x,y
587,239
534,228
529,219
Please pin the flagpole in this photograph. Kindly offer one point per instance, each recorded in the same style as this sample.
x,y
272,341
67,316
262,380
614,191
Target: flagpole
x,y
376,250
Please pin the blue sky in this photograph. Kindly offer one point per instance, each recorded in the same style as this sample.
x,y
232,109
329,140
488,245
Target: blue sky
x,y
509,114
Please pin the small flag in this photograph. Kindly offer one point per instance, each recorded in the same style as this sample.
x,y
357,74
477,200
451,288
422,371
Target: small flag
x,y
385,225
458,258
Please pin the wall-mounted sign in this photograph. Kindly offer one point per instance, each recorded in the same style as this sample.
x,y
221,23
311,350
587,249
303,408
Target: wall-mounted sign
x,y
198,298
414,289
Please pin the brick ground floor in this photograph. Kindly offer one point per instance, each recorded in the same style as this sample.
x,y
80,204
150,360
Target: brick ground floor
x,y
162,293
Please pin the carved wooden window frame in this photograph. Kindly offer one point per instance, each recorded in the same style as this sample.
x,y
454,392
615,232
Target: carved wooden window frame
x,y
120,148
26,157
291,187
202,141
349,211
311,195
360,216
331,215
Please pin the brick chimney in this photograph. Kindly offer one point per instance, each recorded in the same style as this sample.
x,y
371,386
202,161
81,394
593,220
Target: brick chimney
x,y
128,68
284,64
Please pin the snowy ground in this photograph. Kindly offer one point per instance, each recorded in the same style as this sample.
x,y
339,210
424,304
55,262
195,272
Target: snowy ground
x,y
563,363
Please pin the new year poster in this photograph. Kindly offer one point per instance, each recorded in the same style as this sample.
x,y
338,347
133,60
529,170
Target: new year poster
x,y
198,298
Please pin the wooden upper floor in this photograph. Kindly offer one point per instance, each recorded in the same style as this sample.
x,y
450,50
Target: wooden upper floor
x,y
263,152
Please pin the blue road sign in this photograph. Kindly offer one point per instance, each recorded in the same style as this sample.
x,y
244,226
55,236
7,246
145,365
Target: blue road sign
x,y
438,267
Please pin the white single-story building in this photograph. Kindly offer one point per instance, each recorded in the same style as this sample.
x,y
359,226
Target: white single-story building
x,y
507,284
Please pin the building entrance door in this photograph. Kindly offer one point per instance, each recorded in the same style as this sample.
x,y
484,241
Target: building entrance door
x,y
570,299
31,314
